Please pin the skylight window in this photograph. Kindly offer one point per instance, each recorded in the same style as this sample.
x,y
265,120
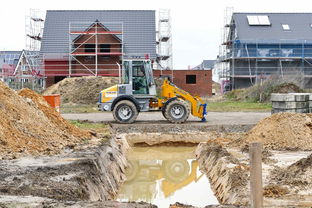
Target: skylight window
x,y
261,20
286,27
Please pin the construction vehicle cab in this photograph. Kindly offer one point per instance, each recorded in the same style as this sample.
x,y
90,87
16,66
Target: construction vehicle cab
x,y
136,92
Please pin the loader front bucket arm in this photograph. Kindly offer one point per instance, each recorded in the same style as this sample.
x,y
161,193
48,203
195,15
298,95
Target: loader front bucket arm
x,y
198,106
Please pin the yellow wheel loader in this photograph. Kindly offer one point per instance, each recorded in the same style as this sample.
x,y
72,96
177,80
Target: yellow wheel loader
x,y
136,92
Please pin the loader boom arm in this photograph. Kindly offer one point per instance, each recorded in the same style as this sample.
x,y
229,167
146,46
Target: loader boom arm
x,y
198,106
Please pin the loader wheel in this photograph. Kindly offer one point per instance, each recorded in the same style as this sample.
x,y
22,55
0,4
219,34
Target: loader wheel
x,y
163,113
177,111
125,112
176,171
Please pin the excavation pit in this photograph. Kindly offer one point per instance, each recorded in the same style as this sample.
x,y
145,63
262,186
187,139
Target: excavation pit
x,y
163,175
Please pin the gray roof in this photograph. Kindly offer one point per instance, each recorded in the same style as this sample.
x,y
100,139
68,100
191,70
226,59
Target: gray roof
x,y
206,64
139,30
9,57
300,27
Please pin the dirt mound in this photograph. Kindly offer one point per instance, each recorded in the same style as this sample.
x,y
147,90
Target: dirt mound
x,y
298,174
53,115
282,131
81,90
274,191
25,128
286,88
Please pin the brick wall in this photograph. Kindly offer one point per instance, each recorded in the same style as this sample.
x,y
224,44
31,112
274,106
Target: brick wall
x,y
202,87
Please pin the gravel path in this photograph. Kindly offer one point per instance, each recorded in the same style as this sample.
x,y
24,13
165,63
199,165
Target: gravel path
x,y
213,118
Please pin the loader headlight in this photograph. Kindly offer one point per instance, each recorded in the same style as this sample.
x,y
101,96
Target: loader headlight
x,y
106,107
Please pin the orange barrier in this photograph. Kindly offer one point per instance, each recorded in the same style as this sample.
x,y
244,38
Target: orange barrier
x,y
54,101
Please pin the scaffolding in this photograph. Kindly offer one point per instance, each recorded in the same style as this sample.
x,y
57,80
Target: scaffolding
x,y
34,23
20,69
164,40
95,48
222,67
243,63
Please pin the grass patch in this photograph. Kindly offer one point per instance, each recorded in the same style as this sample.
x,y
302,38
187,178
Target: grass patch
x,y
101,129
235,106
78,108
89,125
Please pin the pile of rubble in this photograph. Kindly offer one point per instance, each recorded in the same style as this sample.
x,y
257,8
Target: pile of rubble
x,y
81,90
28,125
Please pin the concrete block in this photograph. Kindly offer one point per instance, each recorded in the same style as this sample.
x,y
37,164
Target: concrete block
x,y
301,96
282,97
290,104
303,110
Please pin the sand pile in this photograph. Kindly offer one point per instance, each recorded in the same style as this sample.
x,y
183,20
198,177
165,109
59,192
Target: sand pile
x,y
81,90
26,128
282,131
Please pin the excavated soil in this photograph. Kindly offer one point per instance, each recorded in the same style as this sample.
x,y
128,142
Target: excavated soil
x,y
81,90
228,177
282,131
29,127
53,115
298,175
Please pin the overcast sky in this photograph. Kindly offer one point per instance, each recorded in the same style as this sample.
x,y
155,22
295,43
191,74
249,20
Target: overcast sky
x,y
196,24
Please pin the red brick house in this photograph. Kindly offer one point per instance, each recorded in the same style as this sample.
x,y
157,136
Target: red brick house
x,y
196,82
94,42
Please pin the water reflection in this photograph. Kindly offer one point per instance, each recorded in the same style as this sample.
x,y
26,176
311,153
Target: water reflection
x,y
158,174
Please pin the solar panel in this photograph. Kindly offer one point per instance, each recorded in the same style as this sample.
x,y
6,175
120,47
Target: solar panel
x,y
261,20
253,20
264,20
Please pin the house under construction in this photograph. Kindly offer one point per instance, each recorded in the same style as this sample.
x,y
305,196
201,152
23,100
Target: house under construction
x,y
19,69
95,42
259,45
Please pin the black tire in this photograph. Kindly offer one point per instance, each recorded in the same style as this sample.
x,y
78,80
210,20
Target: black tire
x,y
163,113
124,106
179,116
175,171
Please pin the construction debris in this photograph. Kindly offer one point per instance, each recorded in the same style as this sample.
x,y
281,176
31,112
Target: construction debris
x,y
81,90
29,126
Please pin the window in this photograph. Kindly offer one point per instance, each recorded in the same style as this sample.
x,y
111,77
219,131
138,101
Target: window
x,y
190,79
104,48
261,20
286,27
90,48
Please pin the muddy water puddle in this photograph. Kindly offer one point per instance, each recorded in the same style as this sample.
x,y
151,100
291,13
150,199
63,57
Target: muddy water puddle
x,y
165,175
